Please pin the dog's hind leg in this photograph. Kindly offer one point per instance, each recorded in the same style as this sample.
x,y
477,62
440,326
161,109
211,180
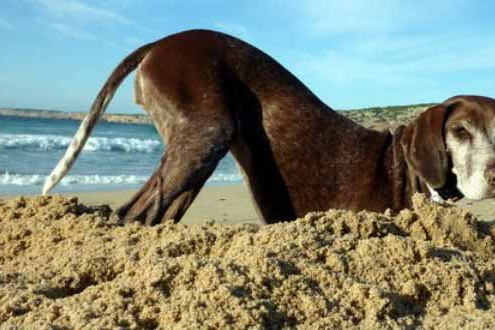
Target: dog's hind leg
x,y
193,154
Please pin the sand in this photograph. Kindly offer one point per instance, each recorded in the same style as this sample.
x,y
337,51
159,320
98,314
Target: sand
x,y
64,266
224,204
232,204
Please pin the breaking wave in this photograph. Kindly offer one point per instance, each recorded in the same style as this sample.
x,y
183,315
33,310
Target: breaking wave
x,y
53,142
38,180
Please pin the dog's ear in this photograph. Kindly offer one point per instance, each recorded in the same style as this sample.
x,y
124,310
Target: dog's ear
x,y
424,146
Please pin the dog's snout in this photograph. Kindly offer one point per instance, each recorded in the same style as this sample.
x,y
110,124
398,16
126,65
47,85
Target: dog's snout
x,y
490,173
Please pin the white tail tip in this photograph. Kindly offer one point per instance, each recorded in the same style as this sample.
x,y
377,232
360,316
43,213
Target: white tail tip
x,y
47,186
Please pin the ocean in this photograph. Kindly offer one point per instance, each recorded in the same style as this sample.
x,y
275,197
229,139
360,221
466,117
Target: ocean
x,y
116,156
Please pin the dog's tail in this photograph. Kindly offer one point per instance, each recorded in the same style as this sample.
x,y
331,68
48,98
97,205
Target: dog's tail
x,y
98,107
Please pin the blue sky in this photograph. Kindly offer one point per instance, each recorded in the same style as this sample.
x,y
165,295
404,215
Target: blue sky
x,y
56,54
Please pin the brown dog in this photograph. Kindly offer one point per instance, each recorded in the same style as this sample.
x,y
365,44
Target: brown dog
x,y
209,93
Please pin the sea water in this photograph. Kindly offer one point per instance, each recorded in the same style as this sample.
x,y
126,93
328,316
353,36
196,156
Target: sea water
x,y
116,156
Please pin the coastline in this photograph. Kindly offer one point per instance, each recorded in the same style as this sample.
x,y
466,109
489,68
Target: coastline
x,y
141,119
224,204
229,204
378,118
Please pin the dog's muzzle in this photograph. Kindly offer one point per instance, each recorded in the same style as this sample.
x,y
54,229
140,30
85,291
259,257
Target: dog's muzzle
x,y
449,190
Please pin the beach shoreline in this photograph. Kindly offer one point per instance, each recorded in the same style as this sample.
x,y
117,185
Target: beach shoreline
x,y
224,204
229,204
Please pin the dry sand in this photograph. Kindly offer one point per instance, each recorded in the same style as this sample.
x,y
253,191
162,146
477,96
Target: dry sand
x,y
224,204
63,266
232,204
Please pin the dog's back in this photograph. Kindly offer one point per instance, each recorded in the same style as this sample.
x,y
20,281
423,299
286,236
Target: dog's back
x,y
209,93
294,150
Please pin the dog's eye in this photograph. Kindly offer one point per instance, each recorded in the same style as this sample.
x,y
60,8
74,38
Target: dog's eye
x,y
460,132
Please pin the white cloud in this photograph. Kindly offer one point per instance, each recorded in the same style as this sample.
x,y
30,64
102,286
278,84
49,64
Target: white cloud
x,y
345,16
121,3
80,11
133,41
323,17
72,31
85,21
396,62
393,42
341,69
234,29
6,25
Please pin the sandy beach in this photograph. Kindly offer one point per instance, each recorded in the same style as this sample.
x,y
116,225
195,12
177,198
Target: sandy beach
x,y
232,204
64,265
155,105
224,204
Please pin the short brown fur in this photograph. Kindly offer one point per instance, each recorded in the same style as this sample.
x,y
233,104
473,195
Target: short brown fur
x,y
209,93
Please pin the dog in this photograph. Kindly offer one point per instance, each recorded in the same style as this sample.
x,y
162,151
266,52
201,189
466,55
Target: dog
x,y
209,93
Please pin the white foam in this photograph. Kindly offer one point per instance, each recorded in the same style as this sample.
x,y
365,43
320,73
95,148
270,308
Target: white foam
x,y
95,179
21,180
51,142
37,180
221,177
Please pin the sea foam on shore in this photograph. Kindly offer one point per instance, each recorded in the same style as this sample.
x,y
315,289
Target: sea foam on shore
x,y
53,142
116,156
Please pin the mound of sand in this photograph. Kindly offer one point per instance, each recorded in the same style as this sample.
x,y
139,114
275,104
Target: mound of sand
x,y
63,266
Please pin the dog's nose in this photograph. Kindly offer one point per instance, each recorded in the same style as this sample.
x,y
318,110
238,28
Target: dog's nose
x,y
490,173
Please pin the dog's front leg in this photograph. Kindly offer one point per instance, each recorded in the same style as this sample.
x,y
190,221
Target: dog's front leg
x,y
139,205
190,159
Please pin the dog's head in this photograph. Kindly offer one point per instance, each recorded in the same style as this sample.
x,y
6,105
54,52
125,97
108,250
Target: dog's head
x,y
451,147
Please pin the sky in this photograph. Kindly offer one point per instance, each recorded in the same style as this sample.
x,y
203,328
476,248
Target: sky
x,y
56,54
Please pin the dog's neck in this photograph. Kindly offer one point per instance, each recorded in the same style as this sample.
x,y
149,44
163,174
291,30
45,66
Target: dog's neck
x,y
404,182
